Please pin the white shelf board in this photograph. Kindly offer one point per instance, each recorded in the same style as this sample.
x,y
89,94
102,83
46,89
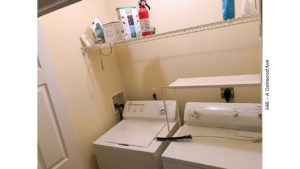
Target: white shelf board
x,y
216,81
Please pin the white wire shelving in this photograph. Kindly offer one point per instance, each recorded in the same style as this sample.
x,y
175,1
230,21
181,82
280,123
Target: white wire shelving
x,y
215,81
179,32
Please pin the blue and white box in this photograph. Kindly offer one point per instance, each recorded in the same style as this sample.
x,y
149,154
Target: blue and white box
x,y
129,18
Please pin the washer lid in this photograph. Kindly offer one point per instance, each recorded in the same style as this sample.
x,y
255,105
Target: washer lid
x,y
134,133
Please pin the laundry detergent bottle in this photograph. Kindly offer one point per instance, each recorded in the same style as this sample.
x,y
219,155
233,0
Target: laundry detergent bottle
x,y
228,9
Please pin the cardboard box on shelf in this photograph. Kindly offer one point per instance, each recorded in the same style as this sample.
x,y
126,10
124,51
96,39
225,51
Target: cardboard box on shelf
x,y
113,32
128,16
97,30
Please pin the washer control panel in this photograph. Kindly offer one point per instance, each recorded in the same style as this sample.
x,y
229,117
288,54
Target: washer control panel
x,y
228,115
153,110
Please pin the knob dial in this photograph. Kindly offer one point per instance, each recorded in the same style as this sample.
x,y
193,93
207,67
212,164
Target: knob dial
x,y
128,108
196,114
235,114
260,115
162,110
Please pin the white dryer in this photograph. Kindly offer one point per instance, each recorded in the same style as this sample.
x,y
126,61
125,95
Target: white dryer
x,y
224,135
131,143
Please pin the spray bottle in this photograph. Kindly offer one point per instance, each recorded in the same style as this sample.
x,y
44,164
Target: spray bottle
x,y
144,18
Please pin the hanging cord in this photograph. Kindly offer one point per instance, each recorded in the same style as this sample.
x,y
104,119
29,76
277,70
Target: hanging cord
x,y
253,139
110,52
101,62
102,54
189,137
120,108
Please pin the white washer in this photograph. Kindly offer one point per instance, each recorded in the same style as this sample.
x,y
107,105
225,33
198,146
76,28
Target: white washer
x,y
223,136
131,143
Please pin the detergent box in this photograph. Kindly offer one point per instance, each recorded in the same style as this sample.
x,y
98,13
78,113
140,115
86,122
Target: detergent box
x,y
129,18
97,30
113,32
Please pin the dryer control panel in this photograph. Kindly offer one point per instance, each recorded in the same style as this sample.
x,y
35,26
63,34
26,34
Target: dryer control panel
x,y
227,115
151,110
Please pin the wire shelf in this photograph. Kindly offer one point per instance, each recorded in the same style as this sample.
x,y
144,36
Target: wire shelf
x,y
216,81
179,32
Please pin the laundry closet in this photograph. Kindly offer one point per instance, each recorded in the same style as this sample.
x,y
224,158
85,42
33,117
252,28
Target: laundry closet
x,y
190,39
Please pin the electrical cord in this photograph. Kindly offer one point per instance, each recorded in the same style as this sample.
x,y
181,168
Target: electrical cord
x,y
174,138
154,96
120,108
253,139
110,52
227,94
188,137
102,54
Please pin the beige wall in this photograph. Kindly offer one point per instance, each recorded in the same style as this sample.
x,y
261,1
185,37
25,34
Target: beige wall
x,y
224,51
86,88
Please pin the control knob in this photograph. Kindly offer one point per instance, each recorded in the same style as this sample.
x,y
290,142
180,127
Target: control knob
x,y
196,114
162,110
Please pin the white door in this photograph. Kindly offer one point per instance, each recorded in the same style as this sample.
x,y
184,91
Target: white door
x,y
56,143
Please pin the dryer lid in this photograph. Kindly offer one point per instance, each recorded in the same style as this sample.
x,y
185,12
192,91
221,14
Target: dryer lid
x,y
134,133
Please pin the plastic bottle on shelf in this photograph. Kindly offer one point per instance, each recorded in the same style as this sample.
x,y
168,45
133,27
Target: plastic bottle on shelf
x,y
248,7
228,9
